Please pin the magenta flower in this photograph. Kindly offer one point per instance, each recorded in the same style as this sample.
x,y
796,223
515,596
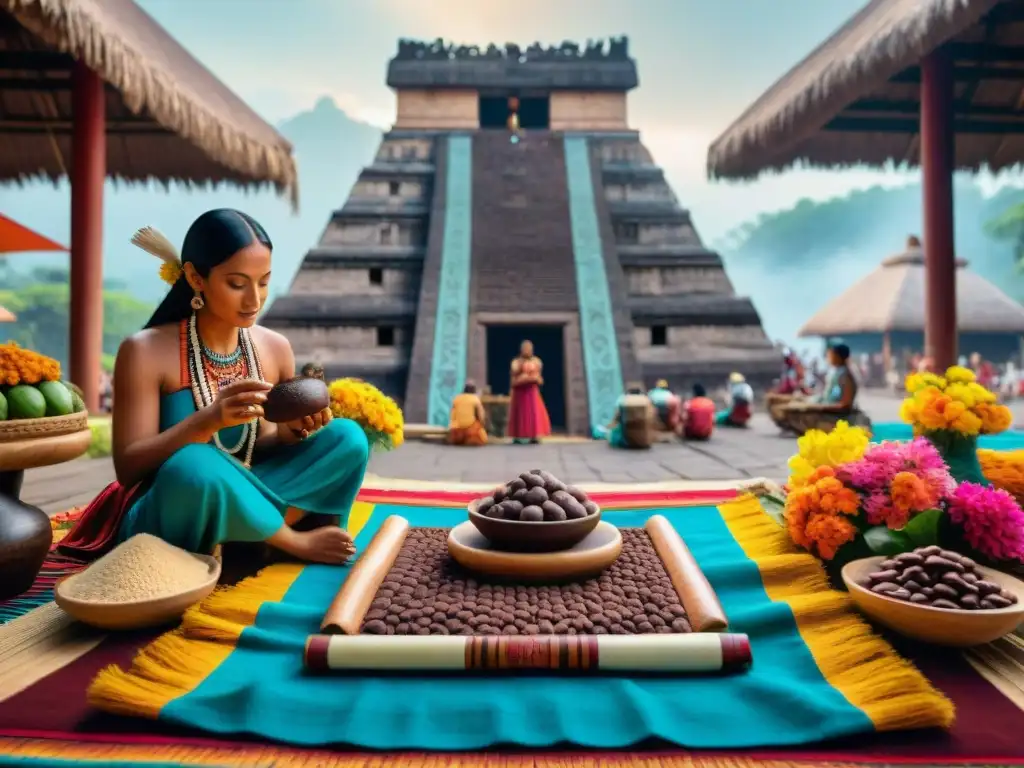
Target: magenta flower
x,y
873,473
992,520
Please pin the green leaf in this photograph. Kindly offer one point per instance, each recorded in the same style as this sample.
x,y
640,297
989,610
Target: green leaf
x,y
883,541
923,529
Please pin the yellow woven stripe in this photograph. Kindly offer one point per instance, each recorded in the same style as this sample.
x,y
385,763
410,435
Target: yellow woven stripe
x,y
176,663
855,661
284,757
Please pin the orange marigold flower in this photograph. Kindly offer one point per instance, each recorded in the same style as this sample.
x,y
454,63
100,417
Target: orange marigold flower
x,y
994,418
909,492
1004,469
23,366
828,533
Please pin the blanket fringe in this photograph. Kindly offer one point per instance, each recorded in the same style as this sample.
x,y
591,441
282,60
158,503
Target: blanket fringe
x,y
285,757
854,660
177,662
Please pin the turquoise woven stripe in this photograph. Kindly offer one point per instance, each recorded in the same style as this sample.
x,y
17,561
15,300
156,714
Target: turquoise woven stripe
x,y
451,328
600,346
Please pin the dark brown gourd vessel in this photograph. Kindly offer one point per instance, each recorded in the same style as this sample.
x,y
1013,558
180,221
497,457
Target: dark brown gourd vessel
x,y
296,399
25,539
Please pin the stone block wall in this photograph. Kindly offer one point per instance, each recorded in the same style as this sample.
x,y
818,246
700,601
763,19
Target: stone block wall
x,y
438,110
405,149
375,232
588,111
671,281
350,346
344,280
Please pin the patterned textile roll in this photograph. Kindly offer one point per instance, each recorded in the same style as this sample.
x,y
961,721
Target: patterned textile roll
x,y
559,654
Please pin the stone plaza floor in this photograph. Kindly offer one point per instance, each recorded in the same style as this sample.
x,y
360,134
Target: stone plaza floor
x,y
731,454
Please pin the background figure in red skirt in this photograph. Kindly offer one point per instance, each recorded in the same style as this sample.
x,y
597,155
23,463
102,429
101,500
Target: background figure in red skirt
x,y
528,419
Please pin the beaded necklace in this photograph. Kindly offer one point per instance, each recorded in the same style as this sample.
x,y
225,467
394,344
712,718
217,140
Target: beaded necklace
x,y
208,371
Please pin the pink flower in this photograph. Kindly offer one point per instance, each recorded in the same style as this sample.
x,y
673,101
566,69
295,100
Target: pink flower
x,y
878,507
992,520
874,472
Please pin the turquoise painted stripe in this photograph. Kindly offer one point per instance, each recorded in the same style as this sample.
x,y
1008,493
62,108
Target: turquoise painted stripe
x,y
597,327
451,328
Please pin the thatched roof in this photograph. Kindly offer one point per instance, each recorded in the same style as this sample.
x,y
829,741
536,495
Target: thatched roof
x,y
892,299
855,99
168,117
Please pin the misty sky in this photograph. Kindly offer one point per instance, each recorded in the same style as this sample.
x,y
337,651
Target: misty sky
x,y
702,62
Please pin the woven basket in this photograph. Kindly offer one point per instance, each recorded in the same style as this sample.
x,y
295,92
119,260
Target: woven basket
x,y
50,426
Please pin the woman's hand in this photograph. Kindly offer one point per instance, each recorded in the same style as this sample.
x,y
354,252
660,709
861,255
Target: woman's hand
x,y
298,430
237,403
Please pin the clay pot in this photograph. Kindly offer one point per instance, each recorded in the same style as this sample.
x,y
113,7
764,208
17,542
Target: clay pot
x,y
25,539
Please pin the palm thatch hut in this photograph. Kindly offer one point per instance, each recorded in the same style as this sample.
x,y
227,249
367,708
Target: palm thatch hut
x,y
96,88
931,82
884,311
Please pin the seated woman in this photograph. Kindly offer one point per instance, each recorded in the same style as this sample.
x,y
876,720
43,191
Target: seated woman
x,y
836,402
466,423
196,464
668,407
741,400
699,415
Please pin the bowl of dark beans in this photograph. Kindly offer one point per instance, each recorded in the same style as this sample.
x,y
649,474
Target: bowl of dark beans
x,y
937,596
535,512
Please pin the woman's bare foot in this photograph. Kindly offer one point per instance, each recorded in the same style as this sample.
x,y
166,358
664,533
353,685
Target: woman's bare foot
x,y
328,545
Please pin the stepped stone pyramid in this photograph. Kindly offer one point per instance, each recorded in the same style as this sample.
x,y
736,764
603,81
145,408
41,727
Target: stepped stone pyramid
x,y
511,200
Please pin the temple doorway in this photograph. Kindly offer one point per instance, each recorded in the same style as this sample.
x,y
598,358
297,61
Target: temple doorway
x,y
534,112
548,344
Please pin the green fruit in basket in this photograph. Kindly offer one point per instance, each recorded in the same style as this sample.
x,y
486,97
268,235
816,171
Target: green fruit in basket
x,y
58,398
75,389
77,402
25,402
3,407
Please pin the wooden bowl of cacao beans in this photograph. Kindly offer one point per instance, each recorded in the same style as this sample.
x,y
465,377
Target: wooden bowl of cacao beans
x,y
936,596
535,512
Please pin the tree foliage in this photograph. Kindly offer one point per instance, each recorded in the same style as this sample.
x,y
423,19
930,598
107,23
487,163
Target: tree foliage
x,y
41,303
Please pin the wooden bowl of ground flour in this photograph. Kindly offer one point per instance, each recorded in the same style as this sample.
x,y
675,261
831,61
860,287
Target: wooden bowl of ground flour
x,y
143,582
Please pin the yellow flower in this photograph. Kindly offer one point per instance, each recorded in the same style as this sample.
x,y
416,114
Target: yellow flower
x,y
980,393
959,375
820,449
170,272
918,381
961,392
378,415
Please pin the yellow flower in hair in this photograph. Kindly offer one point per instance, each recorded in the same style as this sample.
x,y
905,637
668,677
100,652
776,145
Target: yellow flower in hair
x,y
170,271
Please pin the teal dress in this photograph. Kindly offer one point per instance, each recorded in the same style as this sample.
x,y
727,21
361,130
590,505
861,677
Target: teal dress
x,y
201,496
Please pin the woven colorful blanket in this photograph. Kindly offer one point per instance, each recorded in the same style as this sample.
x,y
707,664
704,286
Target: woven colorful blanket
x,y
234,666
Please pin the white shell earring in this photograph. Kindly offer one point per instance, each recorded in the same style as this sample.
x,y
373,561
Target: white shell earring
x,y
197,302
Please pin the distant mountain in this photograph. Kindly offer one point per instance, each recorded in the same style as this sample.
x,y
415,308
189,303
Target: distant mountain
x,y
793,262
330,148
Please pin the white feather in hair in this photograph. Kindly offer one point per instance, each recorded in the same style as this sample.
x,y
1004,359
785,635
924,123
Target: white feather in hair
x,y
154,242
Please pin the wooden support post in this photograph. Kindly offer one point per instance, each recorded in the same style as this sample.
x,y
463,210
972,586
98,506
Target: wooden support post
x,y
937,163
88,173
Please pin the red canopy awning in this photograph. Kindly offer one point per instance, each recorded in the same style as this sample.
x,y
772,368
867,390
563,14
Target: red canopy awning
x,y
14,238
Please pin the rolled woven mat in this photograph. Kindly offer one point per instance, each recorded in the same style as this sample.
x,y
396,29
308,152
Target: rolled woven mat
x,y
665,654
